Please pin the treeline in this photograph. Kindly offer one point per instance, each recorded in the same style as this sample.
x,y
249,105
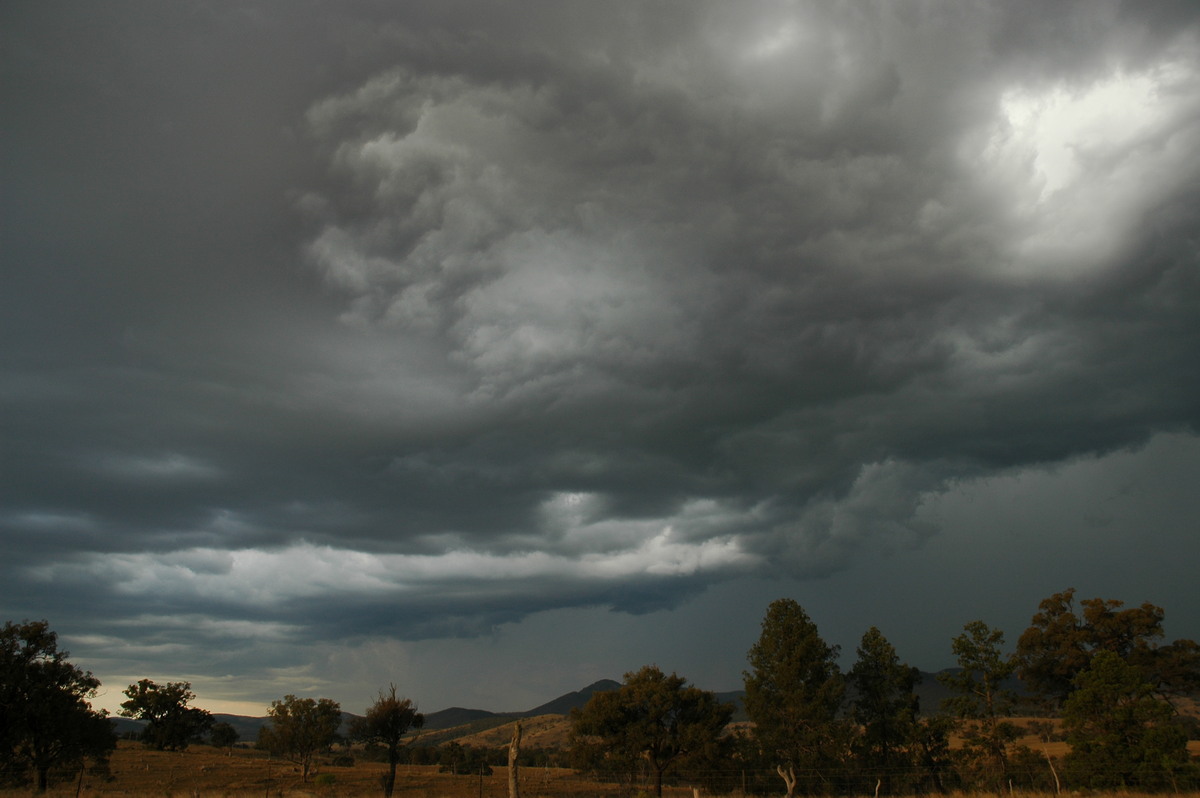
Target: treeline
x,y
1101,668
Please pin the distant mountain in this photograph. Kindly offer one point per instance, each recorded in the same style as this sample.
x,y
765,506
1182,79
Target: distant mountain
x,y
565,703
124,726
457,722
458,716
738,699
246,727
480,719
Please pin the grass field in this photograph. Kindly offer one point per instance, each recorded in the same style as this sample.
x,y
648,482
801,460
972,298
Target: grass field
x,y
205,772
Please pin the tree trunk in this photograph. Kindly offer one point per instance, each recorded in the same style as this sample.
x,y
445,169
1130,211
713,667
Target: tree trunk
x,y
389,784
1053,772
789,779
514,750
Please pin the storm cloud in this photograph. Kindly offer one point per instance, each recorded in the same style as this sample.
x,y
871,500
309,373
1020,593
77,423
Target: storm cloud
x,y
353,324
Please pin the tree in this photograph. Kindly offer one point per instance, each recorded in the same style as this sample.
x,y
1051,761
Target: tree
x,y
652,716
1121,733
386,724
1061,642
983,701
463,760
884,707
223,735
300,728
793,692
46,721
171,724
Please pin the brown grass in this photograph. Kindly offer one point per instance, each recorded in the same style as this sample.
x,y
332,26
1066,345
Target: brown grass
x,y
204,772
543,731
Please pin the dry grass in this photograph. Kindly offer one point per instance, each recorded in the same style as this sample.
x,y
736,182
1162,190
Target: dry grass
x,y
204,772
542,731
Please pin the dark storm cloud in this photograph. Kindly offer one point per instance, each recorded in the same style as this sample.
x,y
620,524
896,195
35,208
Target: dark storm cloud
x,y
478,309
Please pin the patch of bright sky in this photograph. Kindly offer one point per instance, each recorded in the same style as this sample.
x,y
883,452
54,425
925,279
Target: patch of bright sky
x,y
1075,168
1064,128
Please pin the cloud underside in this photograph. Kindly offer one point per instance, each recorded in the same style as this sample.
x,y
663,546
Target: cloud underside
x,y
630,304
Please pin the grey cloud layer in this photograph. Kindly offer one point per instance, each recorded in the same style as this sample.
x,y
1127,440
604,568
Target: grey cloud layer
x,y
493,309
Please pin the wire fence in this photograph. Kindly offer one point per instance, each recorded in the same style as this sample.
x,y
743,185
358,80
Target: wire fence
x,y
849,780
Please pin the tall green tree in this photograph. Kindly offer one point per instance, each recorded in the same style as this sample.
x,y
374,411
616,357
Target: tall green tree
x,y
1120,732
654,717
301,728
885,709
46,720
794,689
171,724
387,724
983,702
1062,640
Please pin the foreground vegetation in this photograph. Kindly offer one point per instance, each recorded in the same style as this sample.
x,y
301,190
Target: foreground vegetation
x,y
207,772
1114,690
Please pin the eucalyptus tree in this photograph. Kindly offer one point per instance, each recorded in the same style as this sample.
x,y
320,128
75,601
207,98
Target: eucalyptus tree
x,y
301,728
387,724
171,724
657,718
1062,640
46,720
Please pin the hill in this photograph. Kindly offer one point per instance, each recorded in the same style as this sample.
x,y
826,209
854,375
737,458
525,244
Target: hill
x,y
477,720
565,703
475,726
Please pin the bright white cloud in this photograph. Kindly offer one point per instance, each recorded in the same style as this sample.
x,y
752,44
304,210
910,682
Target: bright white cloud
x,y
270,578
1076,166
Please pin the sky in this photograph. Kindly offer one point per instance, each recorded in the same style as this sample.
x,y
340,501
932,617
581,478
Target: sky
x,y
492,348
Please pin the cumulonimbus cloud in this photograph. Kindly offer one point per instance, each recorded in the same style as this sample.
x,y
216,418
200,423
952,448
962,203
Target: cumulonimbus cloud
x,y
628,303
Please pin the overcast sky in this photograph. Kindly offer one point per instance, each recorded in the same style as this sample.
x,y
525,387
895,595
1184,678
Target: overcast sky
x,y
494,348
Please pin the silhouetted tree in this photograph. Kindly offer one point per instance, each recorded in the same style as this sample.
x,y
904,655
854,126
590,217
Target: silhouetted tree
x,y
983,702
170,723
1120,732
46,721
1061,642
387,724
658,718
301,728
793,692
463,760
224,736
884,707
